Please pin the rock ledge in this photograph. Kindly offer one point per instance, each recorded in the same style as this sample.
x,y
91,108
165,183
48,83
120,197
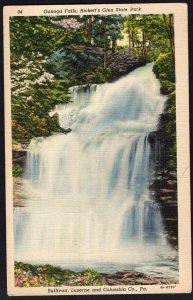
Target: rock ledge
x,y
134,278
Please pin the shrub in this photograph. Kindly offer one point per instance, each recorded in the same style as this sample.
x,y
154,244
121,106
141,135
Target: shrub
x,y
17,170
103,75
164,68
167,87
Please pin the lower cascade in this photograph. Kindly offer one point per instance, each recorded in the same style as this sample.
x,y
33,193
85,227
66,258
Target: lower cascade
x,y
88,203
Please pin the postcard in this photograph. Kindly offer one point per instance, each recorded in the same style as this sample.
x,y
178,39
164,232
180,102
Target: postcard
x,y
97,149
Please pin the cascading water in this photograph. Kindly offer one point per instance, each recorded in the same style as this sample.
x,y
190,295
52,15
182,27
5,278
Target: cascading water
x,y
88,202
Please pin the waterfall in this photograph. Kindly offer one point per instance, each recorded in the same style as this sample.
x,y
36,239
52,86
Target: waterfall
x,y
87,192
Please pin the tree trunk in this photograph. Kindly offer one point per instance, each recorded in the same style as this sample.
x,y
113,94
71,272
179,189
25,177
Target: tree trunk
x,y
129,37
132,39
169,22
114,45
143,44
171,29
89,27
105,45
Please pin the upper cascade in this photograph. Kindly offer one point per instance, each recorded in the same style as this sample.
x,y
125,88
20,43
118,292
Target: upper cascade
x,y
131,104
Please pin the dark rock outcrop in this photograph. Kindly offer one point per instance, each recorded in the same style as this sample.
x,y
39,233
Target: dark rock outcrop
x,y
163,189
134,278
163,185
122,62
98,51
19,154
66,131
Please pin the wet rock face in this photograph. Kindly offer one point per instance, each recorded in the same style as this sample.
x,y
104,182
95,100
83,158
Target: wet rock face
x,y
19,157
163,184
19,154
134,278
163,188
18,200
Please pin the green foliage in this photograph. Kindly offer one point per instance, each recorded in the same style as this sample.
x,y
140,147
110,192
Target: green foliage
x,y
164,68
148,35
38,34
167,87
15,141
20,131
172,161
106,29
72,64
169,134
17,170
103,75
35,92
27,275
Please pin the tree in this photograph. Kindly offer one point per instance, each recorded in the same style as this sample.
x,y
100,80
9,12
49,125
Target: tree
x,y
34,92
106,31
148,35
43,34
169,22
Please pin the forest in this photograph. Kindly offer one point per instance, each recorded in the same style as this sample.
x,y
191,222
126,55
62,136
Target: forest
x,y
51,54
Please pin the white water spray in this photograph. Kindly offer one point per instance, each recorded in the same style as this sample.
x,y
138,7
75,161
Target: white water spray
x,y
88,199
